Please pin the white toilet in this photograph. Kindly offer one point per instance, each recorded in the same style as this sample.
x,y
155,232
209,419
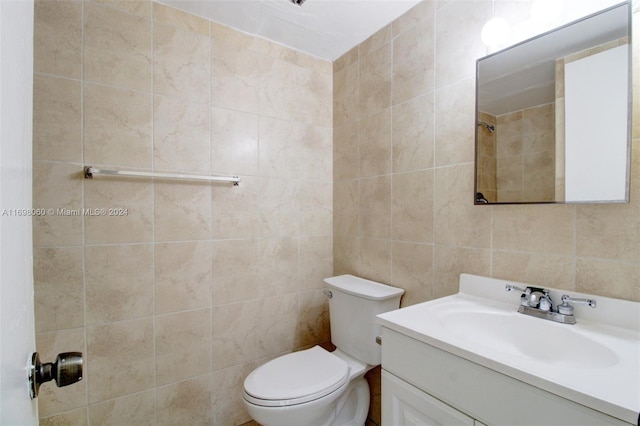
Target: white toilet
x,y
315,387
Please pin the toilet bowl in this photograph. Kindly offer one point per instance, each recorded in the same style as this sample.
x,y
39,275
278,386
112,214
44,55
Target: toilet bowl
x,y
315,387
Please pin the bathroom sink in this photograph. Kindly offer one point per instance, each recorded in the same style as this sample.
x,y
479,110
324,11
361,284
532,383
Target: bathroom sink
x,y
542,341
579,362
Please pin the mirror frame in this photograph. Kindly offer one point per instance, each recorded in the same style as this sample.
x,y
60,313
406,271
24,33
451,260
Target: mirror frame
x,y
478,198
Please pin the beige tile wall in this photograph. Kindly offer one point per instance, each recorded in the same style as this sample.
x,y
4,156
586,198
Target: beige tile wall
x,y
176,301
525,155
410,221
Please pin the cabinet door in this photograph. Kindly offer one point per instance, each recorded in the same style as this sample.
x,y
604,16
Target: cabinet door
x,y
406,405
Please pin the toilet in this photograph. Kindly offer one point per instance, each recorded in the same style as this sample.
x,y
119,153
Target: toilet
x,y
315,387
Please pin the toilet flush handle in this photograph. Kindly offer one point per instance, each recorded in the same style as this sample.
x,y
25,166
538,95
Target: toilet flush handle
x,y
328,293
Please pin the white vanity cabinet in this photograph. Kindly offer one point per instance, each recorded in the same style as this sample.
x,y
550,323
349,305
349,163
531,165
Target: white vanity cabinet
x,y
404,404
425,385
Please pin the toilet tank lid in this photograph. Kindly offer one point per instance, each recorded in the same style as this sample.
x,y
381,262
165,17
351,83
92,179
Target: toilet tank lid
x,y
360,287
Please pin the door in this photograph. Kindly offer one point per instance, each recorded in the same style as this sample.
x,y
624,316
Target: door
x,y
17,333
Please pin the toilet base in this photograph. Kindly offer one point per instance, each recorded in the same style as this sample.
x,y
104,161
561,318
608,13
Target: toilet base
x,y
350,409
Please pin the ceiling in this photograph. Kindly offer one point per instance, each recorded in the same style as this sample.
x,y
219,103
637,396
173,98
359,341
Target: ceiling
x,y
322,28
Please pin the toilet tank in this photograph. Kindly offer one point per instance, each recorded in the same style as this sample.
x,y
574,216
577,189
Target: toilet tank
x,y
353,307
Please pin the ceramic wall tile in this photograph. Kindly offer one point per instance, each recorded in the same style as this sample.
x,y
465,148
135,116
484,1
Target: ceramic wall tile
x,y
188,402
74,417
139,408
375,260
247,331
117,48
413,134
345,152
374,149
121,211
182,211
412,206
58,288
179,19
316,154
313,318
599,232
450,262
182,276
377,39
315,262
608,278
235,271
346,209
234,77
278,265
412,270
279,147
346,256
57,188
457,51
316,212
179,72
57,38
234,142
457,221
294,93
279,207
180,136
527,228
183,345
117,127
229,406
545,270
375,207
346,94
57,119
454,123
375,80
119,282
141,8
235,210
413,62
119,359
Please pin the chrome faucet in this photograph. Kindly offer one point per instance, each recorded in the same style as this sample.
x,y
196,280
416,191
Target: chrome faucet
x,y
537,302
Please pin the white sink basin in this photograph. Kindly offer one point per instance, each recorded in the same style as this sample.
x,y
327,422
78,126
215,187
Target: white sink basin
x,y
595,362
542,341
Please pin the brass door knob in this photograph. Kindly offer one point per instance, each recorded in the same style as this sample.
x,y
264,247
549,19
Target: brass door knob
x,y
65,370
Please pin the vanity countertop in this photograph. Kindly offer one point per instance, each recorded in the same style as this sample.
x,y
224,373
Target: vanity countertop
x,y
595,362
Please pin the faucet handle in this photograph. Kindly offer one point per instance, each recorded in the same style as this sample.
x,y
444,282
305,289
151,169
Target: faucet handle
x,y
566,298
566,309
525,293
510,287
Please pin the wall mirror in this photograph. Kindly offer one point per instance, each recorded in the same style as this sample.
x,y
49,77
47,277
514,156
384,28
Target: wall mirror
x,y
553,115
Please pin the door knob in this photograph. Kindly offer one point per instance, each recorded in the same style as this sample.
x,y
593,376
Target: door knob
x,y
65,370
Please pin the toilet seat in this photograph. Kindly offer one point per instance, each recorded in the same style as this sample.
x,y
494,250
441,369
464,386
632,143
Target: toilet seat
x,y
296,378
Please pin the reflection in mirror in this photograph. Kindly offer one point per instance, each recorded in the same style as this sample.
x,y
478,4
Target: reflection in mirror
x,y
553,115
